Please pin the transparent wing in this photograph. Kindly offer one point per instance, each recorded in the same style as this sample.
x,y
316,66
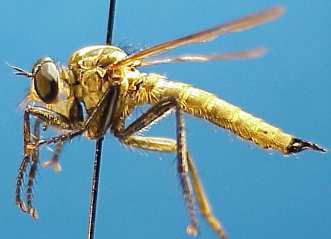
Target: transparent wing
x,y
207,35
251,53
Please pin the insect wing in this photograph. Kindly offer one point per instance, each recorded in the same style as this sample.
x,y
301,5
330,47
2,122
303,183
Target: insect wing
x,y
252,53
207,35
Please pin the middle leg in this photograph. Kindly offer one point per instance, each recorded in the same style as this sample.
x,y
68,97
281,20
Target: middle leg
x,y
185,166
165,145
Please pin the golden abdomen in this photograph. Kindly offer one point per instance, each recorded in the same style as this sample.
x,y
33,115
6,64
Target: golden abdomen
x,y
207,106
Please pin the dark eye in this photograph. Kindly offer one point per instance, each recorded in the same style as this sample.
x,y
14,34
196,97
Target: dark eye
x,y
45,76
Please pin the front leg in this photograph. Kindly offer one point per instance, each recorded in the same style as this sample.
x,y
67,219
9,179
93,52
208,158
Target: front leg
x,y
101,117
31,154
75,127
33,170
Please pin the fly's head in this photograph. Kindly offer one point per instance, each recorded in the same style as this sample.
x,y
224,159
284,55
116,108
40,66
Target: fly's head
x,y
49,87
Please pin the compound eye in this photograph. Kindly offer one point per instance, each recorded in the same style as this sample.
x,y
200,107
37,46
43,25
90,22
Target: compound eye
x,y
45,76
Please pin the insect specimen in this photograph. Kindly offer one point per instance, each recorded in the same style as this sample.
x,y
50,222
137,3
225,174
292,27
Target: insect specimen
x,y
104,82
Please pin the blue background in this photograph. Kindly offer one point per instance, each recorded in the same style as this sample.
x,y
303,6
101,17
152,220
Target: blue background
x,y
256,193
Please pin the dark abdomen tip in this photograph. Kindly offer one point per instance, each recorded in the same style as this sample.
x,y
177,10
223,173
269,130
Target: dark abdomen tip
x,y
298,145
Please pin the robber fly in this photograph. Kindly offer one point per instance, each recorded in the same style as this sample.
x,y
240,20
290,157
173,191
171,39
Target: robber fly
x,y
104,82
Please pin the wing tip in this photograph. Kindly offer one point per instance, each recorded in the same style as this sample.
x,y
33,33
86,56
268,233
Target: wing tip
x,y
279,10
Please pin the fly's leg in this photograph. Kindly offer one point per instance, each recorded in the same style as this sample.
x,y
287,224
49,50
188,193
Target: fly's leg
x,y
185,163
25,162
183,170
202,199
105,101
151,115
31,152
50,118
54,161
154,113
58,121
34,167
151,143
33,170
19,182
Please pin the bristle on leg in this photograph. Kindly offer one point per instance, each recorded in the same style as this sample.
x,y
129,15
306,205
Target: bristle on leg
x,y
298,145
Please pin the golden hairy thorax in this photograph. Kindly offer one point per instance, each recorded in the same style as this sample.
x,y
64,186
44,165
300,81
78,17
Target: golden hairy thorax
x,y
87,72
89,75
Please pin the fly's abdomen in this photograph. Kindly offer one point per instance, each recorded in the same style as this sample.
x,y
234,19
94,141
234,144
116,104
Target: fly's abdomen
x,y
207,106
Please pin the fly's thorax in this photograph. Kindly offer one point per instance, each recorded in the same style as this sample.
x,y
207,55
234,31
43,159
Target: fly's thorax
x,y
90,69
94,56
93,74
